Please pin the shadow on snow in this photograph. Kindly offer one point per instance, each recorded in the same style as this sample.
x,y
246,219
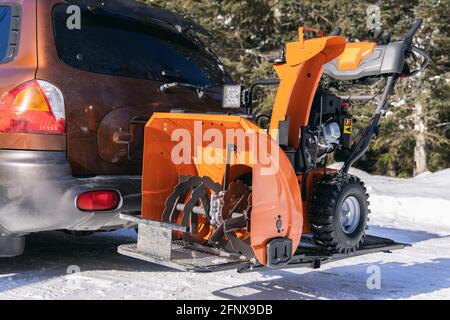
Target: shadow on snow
x,y
49,255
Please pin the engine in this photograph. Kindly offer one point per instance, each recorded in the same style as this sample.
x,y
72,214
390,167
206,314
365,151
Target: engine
x,y
329,127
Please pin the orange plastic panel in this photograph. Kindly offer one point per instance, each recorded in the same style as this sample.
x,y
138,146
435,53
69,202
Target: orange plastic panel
x,y
275,197
276,193
275,190
299,78
354,53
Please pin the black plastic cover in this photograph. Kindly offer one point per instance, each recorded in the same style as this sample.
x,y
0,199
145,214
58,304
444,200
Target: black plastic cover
x,y
279,252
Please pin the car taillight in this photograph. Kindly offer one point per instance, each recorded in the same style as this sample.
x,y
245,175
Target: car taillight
x,y
33,107
105,200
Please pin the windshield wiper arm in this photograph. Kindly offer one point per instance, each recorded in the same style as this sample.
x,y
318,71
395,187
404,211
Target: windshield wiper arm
x,y
200,89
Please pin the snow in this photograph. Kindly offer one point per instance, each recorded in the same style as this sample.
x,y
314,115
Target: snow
x,y
414,211
420,203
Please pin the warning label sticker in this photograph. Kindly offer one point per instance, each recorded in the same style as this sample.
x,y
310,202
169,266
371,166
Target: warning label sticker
x,y
348,126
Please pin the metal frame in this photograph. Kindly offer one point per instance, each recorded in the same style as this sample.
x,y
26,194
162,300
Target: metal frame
x,y
156,245
313,256
363,144
249,94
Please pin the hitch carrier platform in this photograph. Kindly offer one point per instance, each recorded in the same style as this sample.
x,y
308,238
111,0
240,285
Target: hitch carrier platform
x,y
156,245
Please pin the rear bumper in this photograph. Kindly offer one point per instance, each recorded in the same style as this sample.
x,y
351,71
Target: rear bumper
x,y
38,192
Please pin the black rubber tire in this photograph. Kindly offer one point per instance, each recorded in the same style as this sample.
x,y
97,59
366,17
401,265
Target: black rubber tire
x,y
329,194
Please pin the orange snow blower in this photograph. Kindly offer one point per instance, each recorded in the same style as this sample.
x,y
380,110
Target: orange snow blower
x,y
223,191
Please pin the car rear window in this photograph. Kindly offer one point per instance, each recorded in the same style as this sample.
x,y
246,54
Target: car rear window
x,y
5,29
109,44
9,31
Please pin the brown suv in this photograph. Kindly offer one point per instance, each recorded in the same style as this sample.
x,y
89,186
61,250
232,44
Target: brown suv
x,y
78,81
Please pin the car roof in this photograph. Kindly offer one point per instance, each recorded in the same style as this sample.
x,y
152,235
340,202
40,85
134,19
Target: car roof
x,y
142,13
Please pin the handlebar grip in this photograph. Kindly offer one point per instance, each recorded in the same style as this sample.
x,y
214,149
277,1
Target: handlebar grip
x,y
336,32
409,36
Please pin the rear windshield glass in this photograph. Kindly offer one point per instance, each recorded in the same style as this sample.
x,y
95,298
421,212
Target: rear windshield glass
x,y
108,44
5,28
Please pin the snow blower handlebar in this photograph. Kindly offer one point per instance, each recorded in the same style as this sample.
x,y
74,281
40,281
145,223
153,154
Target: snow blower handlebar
x,y
361,147
411,33
410,49
423,65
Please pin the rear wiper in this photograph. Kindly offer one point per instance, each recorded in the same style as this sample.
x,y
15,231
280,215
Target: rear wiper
x,y
200,89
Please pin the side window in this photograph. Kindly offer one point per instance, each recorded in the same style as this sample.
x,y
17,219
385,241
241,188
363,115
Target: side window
x,y
108,44
9,32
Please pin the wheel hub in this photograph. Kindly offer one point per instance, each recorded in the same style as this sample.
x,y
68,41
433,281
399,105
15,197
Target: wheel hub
x,y
350,214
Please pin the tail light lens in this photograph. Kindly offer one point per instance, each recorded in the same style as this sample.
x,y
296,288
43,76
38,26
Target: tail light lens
x,y
107,200
33,107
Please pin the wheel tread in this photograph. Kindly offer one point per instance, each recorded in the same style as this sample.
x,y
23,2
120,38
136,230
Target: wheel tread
x,y
324,200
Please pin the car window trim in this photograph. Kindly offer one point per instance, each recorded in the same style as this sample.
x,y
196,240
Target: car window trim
x,y
15,15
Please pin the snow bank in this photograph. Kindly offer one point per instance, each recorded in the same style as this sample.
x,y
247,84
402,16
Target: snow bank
x,y
416,203
416,211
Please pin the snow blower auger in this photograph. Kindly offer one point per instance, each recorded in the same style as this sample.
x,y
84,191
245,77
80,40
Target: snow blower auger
x,y
221,192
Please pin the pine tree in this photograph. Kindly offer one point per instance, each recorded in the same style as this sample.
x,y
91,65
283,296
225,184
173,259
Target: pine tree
x,y
414,134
